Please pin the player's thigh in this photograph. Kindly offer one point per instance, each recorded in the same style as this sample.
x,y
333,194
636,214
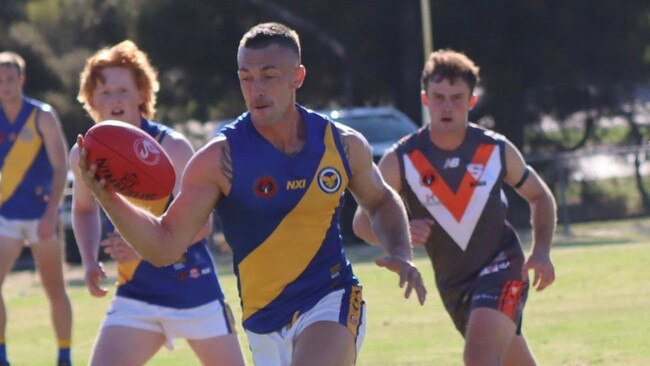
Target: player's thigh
x,y
9,251
218,351
118,345
488,335
324,343
48,256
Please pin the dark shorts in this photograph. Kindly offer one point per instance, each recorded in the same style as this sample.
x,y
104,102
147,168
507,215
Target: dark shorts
x,y
498,286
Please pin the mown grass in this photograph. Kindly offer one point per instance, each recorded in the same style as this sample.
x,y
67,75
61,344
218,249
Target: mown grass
x,y
597,312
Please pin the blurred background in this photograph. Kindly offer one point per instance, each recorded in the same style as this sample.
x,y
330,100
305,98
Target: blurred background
x,y
567,81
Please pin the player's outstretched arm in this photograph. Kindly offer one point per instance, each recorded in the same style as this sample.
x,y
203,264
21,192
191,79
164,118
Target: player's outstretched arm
x,y
160,240
386,213
180,151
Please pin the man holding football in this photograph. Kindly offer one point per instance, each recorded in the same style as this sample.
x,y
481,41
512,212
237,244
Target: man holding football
x,y
153,305
276,177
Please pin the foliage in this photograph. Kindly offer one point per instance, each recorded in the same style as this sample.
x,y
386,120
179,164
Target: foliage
x,y
538,58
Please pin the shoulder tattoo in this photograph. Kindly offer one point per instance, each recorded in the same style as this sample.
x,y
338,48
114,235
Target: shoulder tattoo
x,y
226,163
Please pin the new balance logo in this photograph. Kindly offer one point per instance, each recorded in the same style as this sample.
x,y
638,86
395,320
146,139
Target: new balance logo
x,y
452,163
296,184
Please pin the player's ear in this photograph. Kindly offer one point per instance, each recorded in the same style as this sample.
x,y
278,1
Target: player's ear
x,y
299,76
425,99
472,101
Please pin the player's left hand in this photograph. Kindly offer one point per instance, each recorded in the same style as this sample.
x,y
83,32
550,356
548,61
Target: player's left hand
x,y
98,187
544,272
118,249
408,274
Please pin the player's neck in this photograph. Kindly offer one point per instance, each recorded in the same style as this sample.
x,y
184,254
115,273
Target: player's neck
x,y
287,135
12,107
447,140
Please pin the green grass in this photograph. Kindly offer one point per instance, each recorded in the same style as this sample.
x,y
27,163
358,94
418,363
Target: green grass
x,y
597,312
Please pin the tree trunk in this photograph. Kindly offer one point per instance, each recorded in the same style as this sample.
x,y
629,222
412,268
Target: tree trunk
x,y
637,136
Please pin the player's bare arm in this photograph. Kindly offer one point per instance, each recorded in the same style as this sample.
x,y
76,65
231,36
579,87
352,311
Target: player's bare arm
x,y
543,215
385,211
162,240
57,152
86,223
180,151
420,229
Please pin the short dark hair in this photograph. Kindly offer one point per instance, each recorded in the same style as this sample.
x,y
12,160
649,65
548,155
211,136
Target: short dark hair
x,y
450,65
265,34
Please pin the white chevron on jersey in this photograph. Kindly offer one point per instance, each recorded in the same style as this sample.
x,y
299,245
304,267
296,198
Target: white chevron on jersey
x,y
460,230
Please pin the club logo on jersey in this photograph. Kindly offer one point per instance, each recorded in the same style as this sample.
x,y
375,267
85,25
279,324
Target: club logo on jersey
x,y
427,179
147,152
26,135
476,170
265,187
329,180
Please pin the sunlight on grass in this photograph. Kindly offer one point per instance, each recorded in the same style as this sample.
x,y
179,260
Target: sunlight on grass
x,y
597,312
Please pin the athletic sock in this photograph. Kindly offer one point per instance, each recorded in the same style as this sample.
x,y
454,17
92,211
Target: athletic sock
x,y
3,353
64,353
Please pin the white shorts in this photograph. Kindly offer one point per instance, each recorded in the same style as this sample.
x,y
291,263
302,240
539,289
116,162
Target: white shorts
x,y
276,349
26,230
213,319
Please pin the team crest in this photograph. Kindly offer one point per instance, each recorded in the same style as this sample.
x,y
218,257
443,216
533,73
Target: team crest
x,y
26,135
329,180
427,179
265,187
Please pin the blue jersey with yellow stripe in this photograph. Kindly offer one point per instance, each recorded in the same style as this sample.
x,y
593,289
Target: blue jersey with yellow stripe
x,y
189,282
281,220
25,169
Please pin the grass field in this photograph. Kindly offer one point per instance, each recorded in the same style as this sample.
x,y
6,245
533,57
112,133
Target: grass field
x,y
597,312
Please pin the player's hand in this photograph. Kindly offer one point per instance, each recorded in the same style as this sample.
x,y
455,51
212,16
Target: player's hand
x,y
47,226
94,274
118,249
408,274
544,272
98,187
420,230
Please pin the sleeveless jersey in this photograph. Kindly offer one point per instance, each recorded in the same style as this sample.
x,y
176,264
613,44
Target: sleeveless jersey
x,y
461,191
189,282
26,172
281,220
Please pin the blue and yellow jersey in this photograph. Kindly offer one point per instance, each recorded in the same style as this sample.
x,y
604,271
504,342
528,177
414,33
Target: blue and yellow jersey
x,y
189,282
281,220
25,169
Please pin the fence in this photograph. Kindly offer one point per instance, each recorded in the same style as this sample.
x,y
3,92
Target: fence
x,y
589,185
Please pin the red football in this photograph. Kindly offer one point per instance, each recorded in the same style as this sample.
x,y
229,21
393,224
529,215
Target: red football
x,y
132,162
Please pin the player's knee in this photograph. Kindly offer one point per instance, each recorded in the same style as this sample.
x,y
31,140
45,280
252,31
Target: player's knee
x,y
475,358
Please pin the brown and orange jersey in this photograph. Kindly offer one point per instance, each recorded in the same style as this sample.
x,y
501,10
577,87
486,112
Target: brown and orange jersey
x,y
461,190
